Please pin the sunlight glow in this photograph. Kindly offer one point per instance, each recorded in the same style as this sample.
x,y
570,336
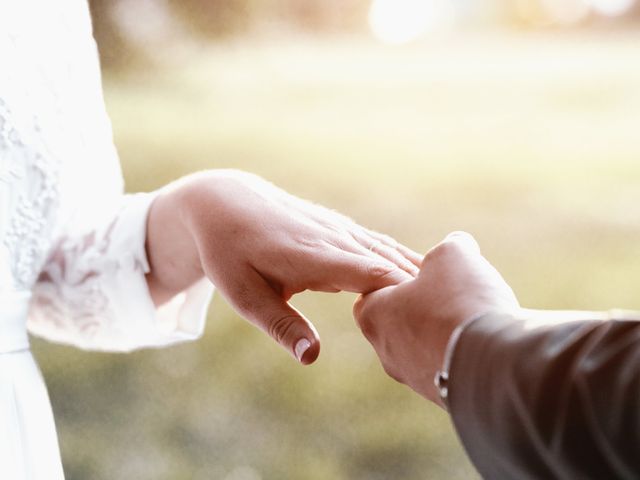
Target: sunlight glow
x,y
566,12
611,8
403,21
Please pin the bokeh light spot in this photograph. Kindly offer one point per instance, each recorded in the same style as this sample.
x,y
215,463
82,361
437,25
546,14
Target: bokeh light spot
x,y
611,8
403,21
566,12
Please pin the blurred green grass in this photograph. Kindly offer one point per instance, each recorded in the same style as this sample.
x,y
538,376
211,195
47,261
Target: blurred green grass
x,y
530,142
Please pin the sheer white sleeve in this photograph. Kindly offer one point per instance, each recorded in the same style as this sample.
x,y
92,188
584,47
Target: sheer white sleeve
x,y
92,292
68,233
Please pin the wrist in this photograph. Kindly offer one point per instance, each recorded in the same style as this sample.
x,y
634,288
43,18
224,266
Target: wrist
x,y
441,377
199,195
171,249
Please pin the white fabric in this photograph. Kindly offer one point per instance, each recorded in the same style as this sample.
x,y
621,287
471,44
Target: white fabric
x,y
70,240
14,307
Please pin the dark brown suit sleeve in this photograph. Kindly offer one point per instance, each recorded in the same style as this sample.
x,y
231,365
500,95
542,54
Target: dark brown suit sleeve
x,y
554,402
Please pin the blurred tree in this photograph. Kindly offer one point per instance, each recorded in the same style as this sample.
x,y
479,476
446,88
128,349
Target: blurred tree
x,y
327,15
119,25
215,18
634,13
116,51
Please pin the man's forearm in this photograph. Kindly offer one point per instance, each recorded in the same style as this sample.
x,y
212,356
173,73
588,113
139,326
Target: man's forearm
x,y
531,399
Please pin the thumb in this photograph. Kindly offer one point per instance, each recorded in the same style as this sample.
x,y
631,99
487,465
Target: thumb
x,y
259,303
463,239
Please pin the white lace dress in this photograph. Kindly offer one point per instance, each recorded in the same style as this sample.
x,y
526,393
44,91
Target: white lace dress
x,y
72,245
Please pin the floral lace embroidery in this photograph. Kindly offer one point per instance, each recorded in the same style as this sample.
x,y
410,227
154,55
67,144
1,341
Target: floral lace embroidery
x,y
26,236
8,137
80,250
78,283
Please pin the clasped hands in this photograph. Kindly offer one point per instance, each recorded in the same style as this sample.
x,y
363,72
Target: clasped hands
x,y
260,246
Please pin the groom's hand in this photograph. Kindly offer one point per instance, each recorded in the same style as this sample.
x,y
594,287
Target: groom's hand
x,y
260,245
409,325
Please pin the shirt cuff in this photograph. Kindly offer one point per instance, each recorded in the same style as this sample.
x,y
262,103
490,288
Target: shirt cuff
x,y
441,379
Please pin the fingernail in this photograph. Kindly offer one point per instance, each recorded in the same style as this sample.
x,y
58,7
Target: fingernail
x,y
301,347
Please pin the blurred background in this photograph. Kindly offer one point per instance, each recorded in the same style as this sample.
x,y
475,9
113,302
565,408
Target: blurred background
x,y
517,120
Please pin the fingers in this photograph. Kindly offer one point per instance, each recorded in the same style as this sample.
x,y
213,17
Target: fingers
x,y
262,306
355,272
376,248
414,257
377,243
394,256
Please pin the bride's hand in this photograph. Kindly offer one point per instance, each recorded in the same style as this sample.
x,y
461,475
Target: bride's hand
x,y
260,245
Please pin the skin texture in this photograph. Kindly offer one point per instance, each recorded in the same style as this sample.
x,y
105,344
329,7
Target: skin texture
x,y
409,325
260,246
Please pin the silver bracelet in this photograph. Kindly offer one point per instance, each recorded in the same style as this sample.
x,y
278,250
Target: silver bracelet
x,y
441,380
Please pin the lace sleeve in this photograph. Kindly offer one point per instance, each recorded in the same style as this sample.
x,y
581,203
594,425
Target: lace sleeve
x,y
92,292
89,237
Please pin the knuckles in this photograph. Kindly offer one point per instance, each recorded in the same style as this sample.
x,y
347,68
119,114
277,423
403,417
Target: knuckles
x,y
388,240
278,327
445,250
379,272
